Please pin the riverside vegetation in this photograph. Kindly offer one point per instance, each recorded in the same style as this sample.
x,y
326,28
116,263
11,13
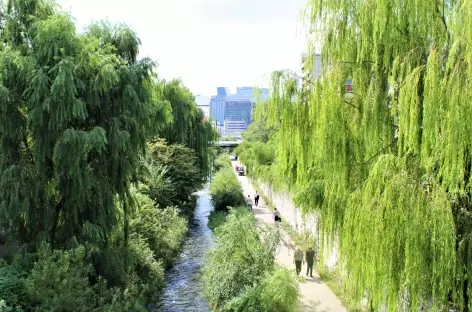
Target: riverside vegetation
x,y
387,165
240,273
98,161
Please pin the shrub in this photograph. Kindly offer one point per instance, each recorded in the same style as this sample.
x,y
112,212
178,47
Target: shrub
x,y
222,162
12,289
241,263
280,291
134,269
216,219
163,229
226,191
4,307
173,173
59,281
148,272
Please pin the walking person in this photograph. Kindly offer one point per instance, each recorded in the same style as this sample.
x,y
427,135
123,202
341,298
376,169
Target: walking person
x,y
310,260
276,215
256,199
249,202
298,260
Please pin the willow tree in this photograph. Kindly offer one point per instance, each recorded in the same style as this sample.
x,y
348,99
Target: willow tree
x,y
75,114
189,125
387,165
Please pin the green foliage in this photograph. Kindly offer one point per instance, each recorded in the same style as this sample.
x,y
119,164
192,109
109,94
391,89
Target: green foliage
x,y
387,166
226,191
278,291
240,273
222,161
173,173
189,126
68,92
216,219
77,112
11,285
60,279
163,229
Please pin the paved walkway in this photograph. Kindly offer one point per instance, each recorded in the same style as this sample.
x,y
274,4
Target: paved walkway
x,y
315,295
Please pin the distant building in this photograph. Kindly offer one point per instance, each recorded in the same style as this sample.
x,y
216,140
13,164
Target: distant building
x,y
234,128
234,111
311,69
203,103
217,104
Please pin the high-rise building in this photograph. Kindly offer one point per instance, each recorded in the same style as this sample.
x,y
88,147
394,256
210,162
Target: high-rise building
x,y
234,128
203,103
234,111
311,69
217,104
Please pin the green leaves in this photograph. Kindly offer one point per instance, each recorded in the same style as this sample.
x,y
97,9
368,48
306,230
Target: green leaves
x,y
76,108
240,274
226,191
386,166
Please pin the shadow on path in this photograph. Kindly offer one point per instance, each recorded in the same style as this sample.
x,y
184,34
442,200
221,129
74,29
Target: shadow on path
x,y
311,306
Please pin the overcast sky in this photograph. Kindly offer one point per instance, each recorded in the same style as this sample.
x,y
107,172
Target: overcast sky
x,y
207,43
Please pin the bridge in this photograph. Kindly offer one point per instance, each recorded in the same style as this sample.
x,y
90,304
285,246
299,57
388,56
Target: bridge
x,y
227,143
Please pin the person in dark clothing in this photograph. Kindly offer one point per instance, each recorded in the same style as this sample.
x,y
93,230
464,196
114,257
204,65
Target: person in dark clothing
x,y
256,199
276,215
310,260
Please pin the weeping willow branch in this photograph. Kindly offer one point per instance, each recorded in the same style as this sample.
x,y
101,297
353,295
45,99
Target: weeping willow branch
x,y
443,20
381,151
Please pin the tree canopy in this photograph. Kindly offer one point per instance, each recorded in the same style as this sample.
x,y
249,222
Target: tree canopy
x,y
386,165
80,115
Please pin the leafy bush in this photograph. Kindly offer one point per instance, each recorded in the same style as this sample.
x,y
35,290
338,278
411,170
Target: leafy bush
x,y
238,274
4,307
143,265
278,291
222,162
173,173
59,281
163,229
11,285
226,191
216,219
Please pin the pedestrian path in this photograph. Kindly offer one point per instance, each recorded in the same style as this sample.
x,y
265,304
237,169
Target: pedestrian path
x,y
316,296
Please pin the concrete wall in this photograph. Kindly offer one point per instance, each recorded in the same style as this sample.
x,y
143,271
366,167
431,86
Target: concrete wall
x,y
301,223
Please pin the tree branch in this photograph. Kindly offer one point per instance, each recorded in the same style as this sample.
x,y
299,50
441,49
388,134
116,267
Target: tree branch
x,y
379,152
443,19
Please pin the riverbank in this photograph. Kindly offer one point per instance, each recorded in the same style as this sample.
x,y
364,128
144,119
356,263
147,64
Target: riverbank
x,y
315,294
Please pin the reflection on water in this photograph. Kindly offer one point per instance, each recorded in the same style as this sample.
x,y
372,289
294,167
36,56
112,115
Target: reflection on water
x,y
183,292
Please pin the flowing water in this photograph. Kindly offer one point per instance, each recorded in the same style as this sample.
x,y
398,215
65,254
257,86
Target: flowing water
x,y
183,292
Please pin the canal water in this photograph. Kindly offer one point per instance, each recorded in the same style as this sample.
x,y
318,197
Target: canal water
x,y
183,292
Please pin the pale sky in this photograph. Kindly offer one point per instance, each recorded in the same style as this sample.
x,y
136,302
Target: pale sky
x,y
208,43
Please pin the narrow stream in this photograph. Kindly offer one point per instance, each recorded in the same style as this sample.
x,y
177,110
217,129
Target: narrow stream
x,y
183,292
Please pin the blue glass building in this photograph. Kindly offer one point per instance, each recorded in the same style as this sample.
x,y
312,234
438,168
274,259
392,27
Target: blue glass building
x,y
234,111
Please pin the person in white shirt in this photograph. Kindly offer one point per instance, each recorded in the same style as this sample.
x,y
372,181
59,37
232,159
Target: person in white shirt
x,y
276,215
249,202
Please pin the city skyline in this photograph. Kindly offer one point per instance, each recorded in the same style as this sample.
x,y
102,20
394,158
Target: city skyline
x,y
232,112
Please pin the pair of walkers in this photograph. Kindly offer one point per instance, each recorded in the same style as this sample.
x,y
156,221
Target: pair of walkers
x,y
300,257
249,201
